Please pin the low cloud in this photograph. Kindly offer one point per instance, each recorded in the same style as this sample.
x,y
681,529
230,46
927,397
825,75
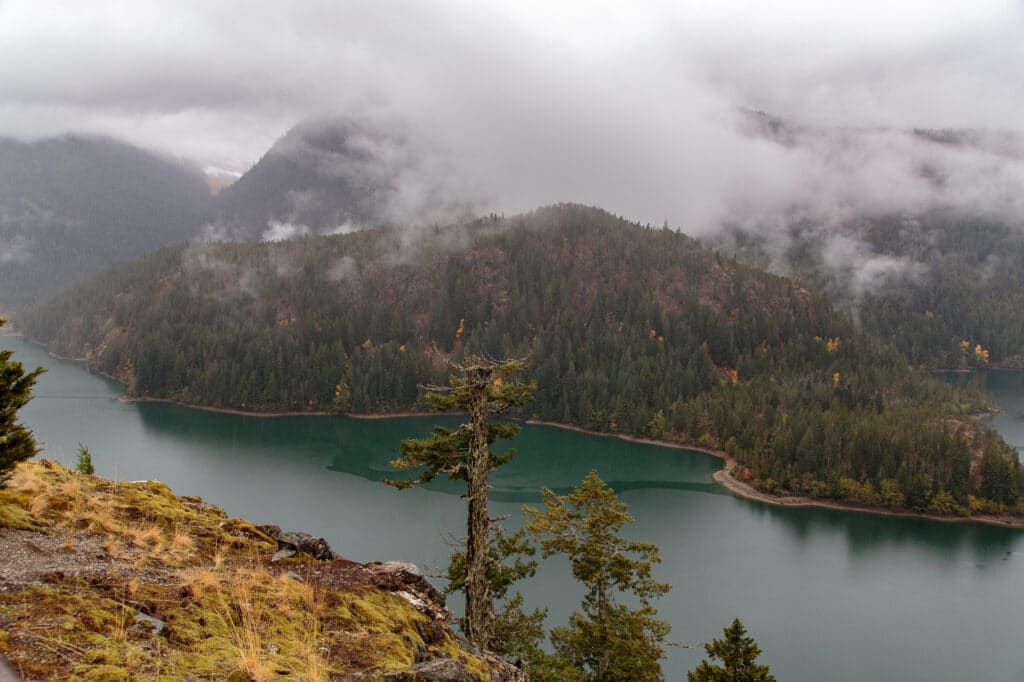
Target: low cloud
x,y
15,250
522,105
861,271
343,269
643,109
278,231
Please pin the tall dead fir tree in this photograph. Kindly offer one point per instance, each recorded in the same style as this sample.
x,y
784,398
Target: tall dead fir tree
x,y
482,387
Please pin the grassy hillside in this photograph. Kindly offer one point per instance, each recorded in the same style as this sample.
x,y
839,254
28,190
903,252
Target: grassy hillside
x,y
627,329
126,581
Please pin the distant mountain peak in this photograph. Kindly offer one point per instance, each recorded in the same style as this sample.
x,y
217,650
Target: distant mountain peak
x,y
339,173
76,204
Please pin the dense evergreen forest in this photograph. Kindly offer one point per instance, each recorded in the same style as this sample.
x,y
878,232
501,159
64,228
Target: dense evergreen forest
x,y
961,304
627,329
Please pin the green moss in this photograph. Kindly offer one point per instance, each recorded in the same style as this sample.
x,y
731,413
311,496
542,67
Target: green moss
x,y
391,636
103,655
101,673
234,526
14,511
228,611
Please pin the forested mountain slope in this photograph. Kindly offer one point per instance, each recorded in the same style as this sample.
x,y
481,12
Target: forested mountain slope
x,y
72,206
627,329
948,290
334,174
938,272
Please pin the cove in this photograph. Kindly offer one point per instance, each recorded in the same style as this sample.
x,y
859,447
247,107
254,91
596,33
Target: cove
x,y
829,595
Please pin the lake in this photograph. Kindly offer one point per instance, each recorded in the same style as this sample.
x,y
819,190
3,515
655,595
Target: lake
x,y
828,595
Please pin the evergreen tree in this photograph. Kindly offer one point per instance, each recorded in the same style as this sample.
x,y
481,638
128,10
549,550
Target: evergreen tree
x,y
16,442
465,454
737,653
84,464
608,641
517,634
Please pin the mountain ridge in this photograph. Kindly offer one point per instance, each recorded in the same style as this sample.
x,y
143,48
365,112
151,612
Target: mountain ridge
x,y
73,205
630,329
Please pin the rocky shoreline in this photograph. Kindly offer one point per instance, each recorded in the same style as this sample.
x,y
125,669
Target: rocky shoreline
x,y
725,478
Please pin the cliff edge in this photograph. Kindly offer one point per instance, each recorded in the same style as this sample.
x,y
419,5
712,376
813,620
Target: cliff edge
x,y
125,581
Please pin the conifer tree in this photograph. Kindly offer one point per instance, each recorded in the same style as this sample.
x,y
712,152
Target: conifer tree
x,y
608,641
16,442
737,653
517,633
482,388
84,465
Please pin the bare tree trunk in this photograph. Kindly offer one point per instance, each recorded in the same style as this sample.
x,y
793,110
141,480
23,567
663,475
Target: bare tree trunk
x,y
479,601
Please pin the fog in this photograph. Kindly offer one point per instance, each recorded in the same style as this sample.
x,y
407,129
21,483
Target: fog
x,y
645,110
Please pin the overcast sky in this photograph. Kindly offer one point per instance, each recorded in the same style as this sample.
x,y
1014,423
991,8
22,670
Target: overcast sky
x,y
632,106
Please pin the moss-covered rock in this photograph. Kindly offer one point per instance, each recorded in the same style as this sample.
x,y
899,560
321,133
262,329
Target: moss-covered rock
x,y
109,551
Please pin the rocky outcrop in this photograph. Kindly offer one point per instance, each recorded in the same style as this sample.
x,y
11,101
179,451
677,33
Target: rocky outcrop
x,y
318,548
400,575
143,583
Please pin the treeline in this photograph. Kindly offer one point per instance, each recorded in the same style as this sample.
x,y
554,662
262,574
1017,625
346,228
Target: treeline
x,y
961,304
967,310
627,329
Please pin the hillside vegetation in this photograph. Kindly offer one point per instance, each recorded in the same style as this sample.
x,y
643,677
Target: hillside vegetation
x,y
954,297
114,581
627,329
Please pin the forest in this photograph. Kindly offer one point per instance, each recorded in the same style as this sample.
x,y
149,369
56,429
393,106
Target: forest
x,y
960,306
625,328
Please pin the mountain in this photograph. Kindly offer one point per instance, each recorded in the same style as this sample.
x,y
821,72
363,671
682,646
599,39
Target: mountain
x,y
74,205
940,280
627,330
937,272
337,174
946,288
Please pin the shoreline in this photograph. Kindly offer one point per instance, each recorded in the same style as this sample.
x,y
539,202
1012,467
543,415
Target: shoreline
x,y
743,490
269,415
722,477
218,410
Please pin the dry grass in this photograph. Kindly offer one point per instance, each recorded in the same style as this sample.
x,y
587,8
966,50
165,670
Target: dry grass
x,y
144,538
218,558
110,546
244,620
99,519
180,548
228,610
198,581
